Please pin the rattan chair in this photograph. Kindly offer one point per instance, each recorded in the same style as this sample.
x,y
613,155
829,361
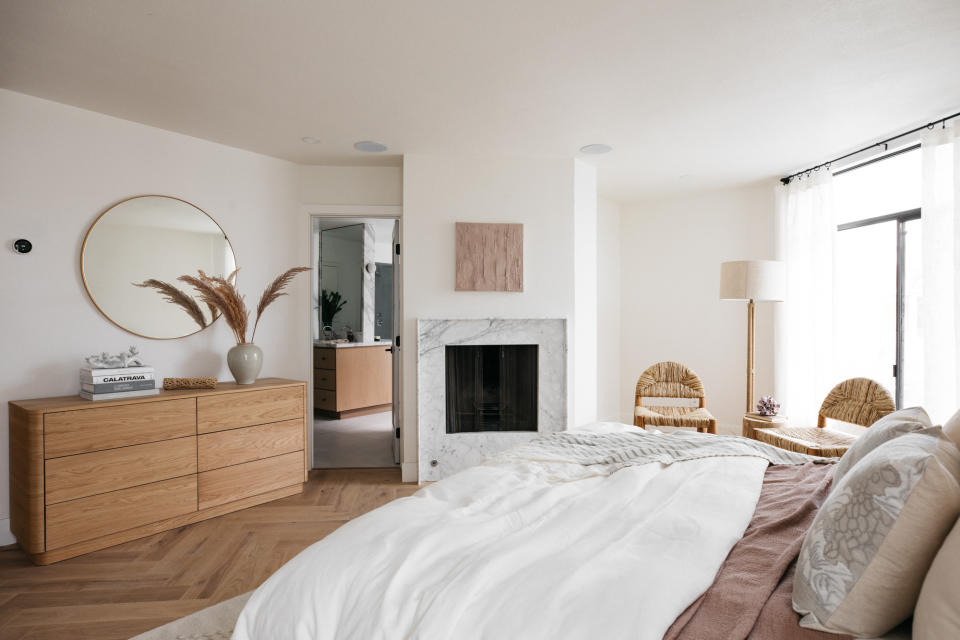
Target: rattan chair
x,y
858,401
671,380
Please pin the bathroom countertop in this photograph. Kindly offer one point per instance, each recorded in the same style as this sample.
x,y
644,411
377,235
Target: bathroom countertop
x,y
346,345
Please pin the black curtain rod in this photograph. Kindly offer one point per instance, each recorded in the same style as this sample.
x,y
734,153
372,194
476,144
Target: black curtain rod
x,y
929,125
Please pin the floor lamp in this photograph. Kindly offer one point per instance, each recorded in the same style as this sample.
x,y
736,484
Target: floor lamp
x,y
754,281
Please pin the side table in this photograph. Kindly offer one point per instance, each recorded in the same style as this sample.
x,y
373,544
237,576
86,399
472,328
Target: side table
x,y
753,421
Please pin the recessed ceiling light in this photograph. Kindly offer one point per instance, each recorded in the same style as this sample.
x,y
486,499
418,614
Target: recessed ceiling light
x,y
596,149
310,139
370,146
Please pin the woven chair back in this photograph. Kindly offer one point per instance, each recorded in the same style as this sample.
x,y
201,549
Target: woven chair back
x,y
669,380
859,401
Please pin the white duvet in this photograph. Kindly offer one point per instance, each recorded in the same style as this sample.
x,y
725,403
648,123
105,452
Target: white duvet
x,y
518,548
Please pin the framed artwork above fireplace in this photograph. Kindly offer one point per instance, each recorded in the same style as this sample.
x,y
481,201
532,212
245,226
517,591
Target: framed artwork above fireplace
x,y
489,257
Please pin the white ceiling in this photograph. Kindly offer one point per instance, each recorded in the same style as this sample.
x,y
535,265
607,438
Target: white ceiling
x,y
690,93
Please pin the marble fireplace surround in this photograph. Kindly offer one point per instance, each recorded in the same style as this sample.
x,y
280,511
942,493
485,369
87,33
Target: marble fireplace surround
x,y
455,451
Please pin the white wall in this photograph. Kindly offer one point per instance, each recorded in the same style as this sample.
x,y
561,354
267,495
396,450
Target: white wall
x,y
60,167
321,184
671,253
608,311
583,376
439,191
383,241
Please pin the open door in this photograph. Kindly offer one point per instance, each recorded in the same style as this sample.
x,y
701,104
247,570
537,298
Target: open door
x,y
396,341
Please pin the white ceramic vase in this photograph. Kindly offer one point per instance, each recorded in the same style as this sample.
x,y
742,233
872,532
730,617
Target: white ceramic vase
x,y
245,361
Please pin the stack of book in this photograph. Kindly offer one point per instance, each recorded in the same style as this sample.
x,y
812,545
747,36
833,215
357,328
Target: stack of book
x,y
114,384
774,418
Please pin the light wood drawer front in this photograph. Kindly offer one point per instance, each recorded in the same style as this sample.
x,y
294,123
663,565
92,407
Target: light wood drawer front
x,y
233,410
88,474
324,358
326,400
365,376
250,478
86,518
325,379
225,448
95,429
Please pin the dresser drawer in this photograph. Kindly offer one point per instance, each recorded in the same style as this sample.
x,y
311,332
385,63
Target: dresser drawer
x,y
95,429
324,358
248,479
88,474
95,516
225,448
245,409
326,400
325,379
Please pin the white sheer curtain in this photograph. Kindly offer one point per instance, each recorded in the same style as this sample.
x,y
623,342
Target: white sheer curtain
x,y
940,301
803,331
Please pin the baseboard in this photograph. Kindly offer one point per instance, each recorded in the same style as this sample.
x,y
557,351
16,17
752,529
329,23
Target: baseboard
x,y
6,536
409,472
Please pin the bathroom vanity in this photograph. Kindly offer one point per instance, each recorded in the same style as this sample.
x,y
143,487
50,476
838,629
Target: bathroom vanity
x,y
352,378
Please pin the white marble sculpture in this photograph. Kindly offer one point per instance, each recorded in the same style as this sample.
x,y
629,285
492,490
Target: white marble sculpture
x,y
129,358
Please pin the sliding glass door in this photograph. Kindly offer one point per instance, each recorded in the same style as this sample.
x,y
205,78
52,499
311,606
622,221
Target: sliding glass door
x,y
877,273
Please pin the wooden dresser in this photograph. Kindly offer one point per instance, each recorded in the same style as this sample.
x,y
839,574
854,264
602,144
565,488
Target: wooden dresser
x,y
354,380
87,475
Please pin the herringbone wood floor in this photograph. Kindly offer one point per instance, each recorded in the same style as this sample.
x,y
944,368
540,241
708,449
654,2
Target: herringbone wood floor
x,y
125,590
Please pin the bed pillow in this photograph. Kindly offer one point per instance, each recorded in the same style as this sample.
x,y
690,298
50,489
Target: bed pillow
x,y
951,428
883,430
864,558
938,610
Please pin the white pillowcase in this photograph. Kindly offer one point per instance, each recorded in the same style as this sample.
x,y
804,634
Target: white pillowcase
x,y
951,428
937,615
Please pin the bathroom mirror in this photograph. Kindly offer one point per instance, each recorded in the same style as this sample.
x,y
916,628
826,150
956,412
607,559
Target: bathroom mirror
x,y
342,278
158,237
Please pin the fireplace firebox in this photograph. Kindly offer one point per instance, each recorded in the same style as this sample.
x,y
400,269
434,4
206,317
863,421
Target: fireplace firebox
x,y
491,387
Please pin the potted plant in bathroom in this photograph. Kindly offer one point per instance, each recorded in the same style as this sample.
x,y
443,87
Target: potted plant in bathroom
x,y
245,359
331,303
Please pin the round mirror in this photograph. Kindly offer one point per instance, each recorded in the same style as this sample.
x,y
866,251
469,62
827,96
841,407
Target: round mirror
x,y
152,238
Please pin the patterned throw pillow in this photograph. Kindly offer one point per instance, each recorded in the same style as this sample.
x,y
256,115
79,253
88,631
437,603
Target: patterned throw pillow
x,y
865,556
883,430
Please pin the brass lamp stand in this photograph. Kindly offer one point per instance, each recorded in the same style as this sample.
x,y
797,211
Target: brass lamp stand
x,y
753,281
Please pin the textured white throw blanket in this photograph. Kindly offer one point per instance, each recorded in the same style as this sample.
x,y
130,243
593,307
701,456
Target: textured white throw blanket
x,y
518,547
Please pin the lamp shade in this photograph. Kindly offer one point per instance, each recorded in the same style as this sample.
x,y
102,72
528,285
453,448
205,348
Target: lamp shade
x,y
759,280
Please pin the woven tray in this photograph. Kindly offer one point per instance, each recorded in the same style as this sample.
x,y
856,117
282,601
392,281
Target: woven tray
x,y
171,384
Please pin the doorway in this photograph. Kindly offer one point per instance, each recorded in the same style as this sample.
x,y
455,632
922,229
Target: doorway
x,y
355,341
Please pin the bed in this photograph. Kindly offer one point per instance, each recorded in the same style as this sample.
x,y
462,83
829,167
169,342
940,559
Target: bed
x,y
609,532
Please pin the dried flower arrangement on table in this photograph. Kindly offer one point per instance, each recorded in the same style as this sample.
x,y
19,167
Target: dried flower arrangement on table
x,y
221,295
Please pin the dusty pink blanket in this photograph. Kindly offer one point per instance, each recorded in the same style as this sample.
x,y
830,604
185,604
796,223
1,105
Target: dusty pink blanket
x,y
751,595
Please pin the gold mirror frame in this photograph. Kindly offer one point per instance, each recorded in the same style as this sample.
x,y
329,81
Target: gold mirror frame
x,y
83,249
